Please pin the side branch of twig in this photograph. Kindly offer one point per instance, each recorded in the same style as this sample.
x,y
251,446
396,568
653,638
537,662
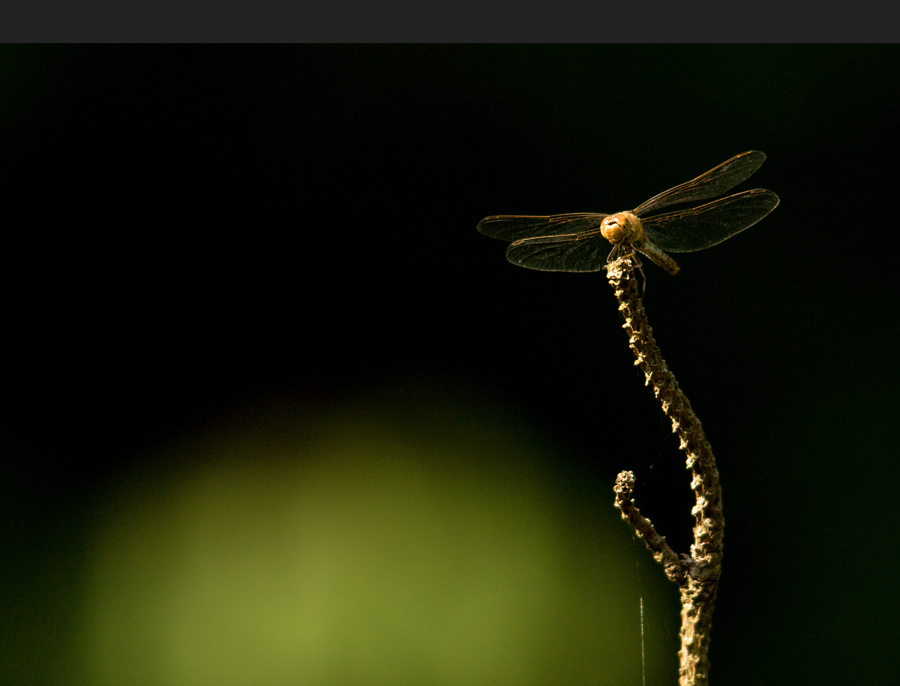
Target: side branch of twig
x,y
704,564
662,553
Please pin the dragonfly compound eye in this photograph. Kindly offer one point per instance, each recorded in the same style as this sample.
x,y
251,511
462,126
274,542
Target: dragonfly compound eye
x,y
623,227
612,229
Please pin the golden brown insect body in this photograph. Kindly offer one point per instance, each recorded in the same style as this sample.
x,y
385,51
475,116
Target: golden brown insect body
x,y
625,229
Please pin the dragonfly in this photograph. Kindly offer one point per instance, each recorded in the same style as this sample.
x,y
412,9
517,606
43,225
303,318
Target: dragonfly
x,y
579,242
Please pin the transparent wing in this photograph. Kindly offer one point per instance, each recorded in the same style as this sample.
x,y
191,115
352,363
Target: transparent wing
x,y
714,182
514,227
707,225
579,252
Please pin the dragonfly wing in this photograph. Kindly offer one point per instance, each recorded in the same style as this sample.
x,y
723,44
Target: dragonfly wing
x,y
513,227
582,252
714,182
707,225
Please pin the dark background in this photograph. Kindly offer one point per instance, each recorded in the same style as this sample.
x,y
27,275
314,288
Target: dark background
x,y
189,230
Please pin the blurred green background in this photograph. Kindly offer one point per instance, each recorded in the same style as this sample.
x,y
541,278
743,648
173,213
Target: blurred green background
x,y
410,537
274,412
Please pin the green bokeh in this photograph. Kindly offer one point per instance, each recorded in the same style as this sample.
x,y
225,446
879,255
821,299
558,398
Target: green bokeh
x,y
383,543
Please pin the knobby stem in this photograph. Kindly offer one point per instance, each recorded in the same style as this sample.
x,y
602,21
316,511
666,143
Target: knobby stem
x,y
697,574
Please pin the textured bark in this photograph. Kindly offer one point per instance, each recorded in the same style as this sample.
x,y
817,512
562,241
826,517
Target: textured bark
x,y
697,574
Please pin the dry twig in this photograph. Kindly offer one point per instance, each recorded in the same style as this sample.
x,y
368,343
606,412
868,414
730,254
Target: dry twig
x,y
697,574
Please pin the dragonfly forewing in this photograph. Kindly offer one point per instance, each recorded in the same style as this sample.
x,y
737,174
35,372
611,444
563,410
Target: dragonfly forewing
x,y
514,227
709,184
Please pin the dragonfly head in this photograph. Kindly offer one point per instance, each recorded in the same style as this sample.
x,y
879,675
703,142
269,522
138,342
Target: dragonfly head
x,y
623,227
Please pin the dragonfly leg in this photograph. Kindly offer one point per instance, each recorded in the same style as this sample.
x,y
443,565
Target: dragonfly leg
x,y
644,277
640,267
618,248
612,253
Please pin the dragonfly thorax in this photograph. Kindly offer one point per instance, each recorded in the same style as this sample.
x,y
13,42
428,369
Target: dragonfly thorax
x,y
623,227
